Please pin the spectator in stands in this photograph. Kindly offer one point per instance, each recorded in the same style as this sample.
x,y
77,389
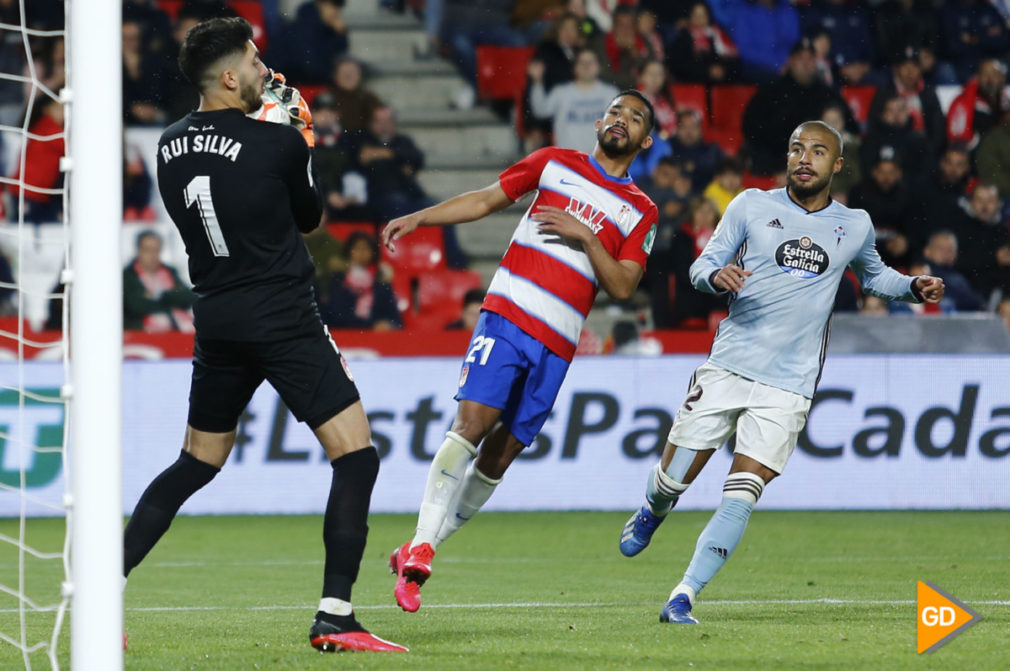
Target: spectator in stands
x,y
669,187
592,32
309,45
779,106
12,60
472,23
820,40
726,184
328,259
937,199
344,189
654,82
156,27
645,26
901,23
1003,311
575,106
557,53
390,162
696,157
470,311
690,306
361,297
941,252
42,163
884,194
850,174
155,299
972,30
8,295
145,81
847,26
852,73
920,99
993,157
891,134
702,51
874,306
626,50
983,238
764,32
136,184
183,97
982,103
353,101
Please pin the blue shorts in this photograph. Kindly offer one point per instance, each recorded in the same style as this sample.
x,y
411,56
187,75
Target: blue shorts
x,y
508,369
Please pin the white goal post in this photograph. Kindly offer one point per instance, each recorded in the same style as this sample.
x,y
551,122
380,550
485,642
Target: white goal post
x,y
94,126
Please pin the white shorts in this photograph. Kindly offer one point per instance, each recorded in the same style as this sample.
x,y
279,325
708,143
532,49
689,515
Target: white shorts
x,y
767,420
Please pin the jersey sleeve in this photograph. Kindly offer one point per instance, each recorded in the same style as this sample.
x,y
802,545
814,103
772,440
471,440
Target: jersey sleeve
x,y
722,247
638,245
296,170
878,279
522,177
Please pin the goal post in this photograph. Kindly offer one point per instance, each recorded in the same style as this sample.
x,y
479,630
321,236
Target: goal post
x,y
94,178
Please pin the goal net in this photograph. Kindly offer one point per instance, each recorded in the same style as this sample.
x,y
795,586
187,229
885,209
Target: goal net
x,y
50,526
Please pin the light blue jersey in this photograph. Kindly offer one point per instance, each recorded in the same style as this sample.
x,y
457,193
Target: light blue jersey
x,y
777,329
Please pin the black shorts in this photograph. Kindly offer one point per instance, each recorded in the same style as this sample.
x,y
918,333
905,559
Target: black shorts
x,y
308,373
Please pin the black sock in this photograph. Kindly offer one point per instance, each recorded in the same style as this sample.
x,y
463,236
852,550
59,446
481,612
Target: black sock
x,y
159,504
345,527
341,622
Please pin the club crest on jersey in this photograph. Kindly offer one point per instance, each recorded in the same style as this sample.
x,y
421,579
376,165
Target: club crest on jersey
x,y
624,216
464,375
802,258
586,213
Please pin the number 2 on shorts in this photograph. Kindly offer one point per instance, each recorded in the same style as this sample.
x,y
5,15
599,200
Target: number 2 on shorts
x,y
198,191
482,345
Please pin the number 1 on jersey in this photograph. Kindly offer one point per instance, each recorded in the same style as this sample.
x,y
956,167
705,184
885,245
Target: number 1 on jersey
x,y
198,191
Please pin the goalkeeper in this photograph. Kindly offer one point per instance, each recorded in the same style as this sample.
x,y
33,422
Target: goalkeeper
x,y
239,191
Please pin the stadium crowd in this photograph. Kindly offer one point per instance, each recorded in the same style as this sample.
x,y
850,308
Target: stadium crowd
x,y
729,80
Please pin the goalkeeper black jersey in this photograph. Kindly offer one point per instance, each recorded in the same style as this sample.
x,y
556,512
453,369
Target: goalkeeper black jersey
x,y
239,191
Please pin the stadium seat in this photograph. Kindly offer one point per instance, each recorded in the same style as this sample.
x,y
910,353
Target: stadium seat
x,y
341,229
692,96
310,91
444,290
501,71
421,252
250,10
751,181
729,139
728,104
859,98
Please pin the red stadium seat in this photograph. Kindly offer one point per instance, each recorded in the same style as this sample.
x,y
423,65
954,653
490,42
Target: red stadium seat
x,y
859,98
309,91
420,252
444,290
692,96
728,104
760,182
341,229
729,139
501,71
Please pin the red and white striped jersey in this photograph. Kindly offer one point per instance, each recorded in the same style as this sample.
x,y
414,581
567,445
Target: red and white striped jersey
x,y
545,286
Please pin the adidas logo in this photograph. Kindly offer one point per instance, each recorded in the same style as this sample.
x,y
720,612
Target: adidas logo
x,y
774,223
722,552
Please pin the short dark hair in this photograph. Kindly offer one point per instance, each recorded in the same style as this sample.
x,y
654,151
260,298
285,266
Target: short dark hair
x,y
473,296
728,164
144,235
208,42
651,121
361,236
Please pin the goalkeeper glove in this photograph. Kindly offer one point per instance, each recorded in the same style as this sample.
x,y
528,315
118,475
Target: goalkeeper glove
x,y
284,104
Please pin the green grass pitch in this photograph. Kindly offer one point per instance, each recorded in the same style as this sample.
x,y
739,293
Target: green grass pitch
x,y
805,590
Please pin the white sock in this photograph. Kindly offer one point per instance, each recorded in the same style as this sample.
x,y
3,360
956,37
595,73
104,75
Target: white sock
x,y
474,493
444,478
685,589
333,606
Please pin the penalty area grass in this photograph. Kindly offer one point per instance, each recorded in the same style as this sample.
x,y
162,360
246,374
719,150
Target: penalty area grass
x,y
805,590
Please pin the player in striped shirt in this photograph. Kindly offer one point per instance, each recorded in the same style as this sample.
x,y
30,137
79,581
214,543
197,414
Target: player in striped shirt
x,y
588,227
781,255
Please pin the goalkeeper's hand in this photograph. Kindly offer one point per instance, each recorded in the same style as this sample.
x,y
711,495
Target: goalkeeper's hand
x,y
284,104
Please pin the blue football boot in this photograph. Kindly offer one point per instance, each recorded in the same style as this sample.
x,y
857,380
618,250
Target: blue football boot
x,y
638,531
677,611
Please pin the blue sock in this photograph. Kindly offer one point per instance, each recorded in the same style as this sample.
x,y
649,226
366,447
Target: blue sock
x,y
724,531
